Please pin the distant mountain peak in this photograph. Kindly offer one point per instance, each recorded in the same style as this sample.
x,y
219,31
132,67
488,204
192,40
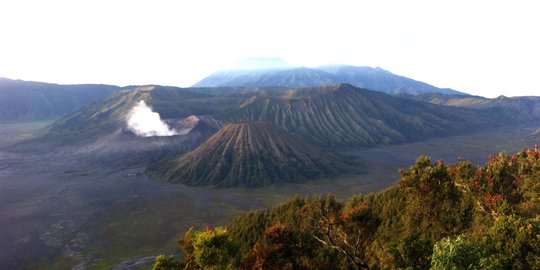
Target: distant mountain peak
x,y
372,78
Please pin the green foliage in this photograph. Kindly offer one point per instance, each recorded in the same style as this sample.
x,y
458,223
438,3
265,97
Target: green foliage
x,y
496,182
437,217
435,208
432,194
281,248
506,180
281,238
347,229
455,253
167,263
209,249
528,174
513,242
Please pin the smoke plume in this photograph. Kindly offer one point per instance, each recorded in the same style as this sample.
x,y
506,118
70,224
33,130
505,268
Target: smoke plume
x,y
146,123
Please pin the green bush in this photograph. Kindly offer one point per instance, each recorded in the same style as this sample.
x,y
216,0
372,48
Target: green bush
x,y
455,253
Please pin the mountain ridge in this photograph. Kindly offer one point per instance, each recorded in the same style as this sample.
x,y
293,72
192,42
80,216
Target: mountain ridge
x,y
22,101
508,108
376,79
342,114
337,115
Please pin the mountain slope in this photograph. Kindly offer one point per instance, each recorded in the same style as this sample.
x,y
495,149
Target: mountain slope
x,y
382,80
101,130
343,115
332,116
122,147
112,112
294,77
516,109
32,101
100,116
365,77
103,125
249,154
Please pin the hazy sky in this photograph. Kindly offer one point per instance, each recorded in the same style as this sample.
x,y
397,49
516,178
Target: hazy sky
x,y
487,48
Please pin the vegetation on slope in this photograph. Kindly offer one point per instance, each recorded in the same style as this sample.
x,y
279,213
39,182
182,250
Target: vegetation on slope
x,y
249,154
438,216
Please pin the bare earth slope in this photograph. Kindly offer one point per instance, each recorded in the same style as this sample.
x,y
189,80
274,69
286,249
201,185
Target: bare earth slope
x,y
250,154
342,115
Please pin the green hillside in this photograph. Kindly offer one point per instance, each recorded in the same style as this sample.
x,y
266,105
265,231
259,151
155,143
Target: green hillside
x,y
438,216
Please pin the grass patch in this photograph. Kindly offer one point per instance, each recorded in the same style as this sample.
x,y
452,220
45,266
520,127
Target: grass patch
x,y
16,132
139,228
58,263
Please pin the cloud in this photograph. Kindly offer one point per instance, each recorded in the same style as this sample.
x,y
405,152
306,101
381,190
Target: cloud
x,y
145,123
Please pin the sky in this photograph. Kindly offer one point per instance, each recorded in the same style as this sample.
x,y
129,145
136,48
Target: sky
x,y
486,48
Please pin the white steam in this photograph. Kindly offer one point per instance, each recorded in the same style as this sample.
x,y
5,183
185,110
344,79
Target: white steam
x,y
146,123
